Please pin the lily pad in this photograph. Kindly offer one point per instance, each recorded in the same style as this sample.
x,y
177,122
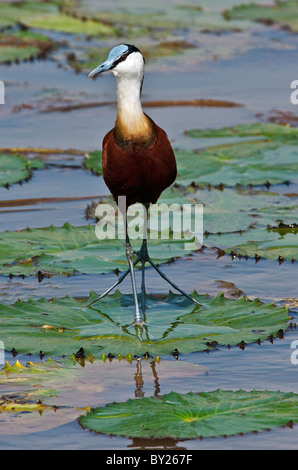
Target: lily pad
x,y
93,162
67,24
273,244
240,209
268,130
68,250
63,326
50,16
273,159
16,168
21,45
194,415
283,13
13,13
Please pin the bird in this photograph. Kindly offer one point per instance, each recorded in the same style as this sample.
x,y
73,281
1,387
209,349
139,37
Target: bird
x,y
138,161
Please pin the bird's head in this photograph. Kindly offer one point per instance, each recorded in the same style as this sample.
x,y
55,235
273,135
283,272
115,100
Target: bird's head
x,y
123,60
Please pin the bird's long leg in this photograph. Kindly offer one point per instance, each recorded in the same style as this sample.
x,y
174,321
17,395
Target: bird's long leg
x,y
144,257
130,259
121,278
172,283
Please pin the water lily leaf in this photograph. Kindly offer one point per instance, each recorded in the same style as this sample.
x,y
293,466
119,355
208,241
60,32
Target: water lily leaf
x,y
68,249
274,244
20,45
272,158
63,326
15,168
93,162
192,415
240,209
67,24
244,164
18,12
268,130
14,53
283,13
50,16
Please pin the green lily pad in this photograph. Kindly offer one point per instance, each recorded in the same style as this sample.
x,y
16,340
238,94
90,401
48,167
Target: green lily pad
x,y
18,12
192,415
273,244
237,210
61,327
20,45
68,250
270,159
16,168
67,24
283,13
268,130
50,16
93,162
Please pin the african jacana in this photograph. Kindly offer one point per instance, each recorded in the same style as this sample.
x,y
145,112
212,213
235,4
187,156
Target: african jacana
x,y
137,158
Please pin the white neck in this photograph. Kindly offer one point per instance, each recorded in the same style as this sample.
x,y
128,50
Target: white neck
x,y
129,106
131,124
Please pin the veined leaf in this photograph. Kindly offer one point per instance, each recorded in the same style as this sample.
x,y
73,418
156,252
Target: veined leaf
x,y
270,158
108,326
189,416
69,249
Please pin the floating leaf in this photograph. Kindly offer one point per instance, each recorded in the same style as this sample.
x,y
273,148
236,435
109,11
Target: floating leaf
x,y
67,24
21,45
17,12
189,416
283,13
108,326
272,159
48,16
273,244
93,162
239,209
254,163
268,130
15,168
68,249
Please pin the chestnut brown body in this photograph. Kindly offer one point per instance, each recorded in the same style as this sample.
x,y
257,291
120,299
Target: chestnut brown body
x,y
142,170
